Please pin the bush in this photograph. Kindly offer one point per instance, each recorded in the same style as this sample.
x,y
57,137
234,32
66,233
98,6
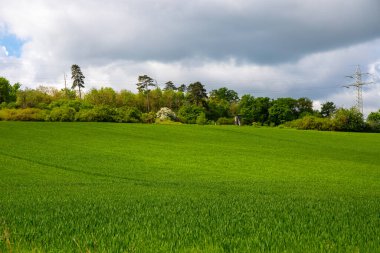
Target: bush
x,y
62,114
98,114
225,121
373,126
343,120
201,119
10,105
76,104
373,122
167,122
149,117
312,123
127,115
348,120
85,115
28,114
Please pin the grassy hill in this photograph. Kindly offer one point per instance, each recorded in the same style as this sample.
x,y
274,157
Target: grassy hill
x,y
184,188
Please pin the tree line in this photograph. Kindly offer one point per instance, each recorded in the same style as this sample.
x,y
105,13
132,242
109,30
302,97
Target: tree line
x,y
190,104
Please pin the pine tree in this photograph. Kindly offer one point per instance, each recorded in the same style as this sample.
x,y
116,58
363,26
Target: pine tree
x,y
77,76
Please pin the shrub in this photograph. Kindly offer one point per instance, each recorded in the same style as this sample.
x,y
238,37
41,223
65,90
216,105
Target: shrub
x,y
127,115
149,117
28,114
98,114
62,114
10,105
201,119
76,104
85,115
373,122
348,120
311,123
225,121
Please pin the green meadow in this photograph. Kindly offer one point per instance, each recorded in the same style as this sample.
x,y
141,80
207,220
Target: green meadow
x,y
105,187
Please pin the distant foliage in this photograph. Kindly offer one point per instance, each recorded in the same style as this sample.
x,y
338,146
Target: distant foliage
x,y
312,123
62,114
28,114
373,121
349,120
342,120
225,121
201,119
176,103
189,113
148,117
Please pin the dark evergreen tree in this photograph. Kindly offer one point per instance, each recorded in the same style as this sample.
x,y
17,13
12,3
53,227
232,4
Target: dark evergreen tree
x,y
328,109
169,86
196,94
143,86
77,77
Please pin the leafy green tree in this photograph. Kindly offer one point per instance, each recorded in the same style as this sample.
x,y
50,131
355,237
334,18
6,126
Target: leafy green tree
x,y
374,116
260,110
155,97
224,94
304,106
196,94
13,93
217,109
373,121
103,96
189,113
143,86
5,89
219,103
77,77
254,109
328,109
66,93
172,99
8,92
126,98
38,98
283,110
348,120
245,108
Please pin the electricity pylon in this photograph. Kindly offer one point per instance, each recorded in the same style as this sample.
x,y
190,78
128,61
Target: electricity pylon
x,y
358,84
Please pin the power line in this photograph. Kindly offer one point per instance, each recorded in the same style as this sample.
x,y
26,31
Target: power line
x,y
358,84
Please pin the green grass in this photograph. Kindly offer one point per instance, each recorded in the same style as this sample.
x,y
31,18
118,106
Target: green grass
x,y
103,187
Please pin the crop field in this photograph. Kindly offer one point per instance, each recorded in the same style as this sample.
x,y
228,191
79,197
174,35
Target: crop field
x,y
104,187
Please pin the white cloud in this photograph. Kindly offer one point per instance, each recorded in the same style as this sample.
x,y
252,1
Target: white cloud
x,y
3,52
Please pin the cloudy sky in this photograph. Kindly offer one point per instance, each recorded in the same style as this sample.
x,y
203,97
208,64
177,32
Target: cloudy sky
x,y
274,48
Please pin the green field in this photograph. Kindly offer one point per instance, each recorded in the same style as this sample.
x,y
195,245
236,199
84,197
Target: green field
x,y
104,187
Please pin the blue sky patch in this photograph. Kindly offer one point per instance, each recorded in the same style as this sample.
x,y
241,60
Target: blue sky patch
x,y
12,44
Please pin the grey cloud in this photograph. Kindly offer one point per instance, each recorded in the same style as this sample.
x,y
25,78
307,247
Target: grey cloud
x,y
270,33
